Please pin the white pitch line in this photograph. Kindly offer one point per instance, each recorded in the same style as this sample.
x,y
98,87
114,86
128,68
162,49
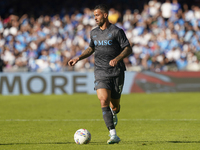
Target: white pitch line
x,y
85,120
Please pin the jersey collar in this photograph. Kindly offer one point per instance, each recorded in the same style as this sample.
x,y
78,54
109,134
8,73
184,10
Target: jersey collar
x,y
106,28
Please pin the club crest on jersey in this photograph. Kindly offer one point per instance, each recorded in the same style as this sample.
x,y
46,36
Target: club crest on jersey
x,y
109,35
102,42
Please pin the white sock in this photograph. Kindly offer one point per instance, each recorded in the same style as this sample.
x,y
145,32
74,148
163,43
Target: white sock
x,y
113,132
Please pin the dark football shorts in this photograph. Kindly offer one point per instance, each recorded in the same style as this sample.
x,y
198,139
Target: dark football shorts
x,y
115,84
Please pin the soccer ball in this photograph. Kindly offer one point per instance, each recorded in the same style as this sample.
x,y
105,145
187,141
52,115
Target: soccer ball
x,y
82,136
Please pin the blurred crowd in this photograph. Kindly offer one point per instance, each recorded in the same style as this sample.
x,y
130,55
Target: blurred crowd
x,y
164,36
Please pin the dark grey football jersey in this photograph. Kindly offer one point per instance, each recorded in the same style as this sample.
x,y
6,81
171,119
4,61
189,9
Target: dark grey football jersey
x,y
108,44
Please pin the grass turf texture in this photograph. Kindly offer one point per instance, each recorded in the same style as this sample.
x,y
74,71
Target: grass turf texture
x,y
146,121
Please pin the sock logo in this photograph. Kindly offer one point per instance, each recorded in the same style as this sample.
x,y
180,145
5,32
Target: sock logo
x,y
104,112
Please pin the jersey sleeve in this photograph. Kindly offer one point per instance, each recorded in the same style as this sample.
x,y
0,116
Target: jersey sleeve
x,y
122,39
91,41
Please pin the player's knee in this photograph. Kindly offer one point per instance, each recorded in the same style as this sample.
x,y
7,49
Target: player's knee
x,y
103,100
102,97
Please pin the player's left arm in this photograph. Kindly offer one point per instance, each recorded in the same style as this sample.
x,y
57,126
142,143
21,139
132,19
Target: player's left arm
x,y
126,52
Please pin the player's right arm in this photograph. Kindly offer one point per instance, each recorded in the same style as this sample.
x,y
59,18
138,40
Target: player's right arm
x,y
86,53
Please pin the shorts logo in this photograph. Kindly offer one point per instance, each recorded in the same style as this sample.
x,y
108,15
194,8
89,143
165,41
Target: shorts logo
x,y
96,83
120,89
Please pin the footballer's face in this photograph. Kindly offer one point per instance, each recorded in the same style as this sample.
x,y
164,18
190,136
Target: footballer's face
x,y
100,17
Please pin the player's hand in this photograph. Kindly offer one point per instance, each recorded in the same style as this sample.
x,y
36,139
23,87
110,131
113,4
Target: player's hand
x,y
113,63
73,61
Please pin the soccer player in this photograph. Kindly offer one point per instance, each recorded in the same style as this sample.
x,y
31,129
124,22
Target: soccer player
x,y
109,45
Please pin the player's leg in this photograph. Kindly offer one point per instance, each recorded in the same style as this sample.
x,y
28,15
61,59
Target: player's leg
x,y
115,108
116,91
115,105
104,95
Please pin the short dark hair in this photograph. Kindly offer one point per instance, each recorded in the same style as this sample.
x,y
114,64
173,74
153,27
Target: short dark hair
x,y
102,7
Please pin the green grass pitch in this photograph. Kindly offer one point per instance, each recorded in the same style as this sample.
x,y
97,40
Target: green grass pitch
x,y
164,121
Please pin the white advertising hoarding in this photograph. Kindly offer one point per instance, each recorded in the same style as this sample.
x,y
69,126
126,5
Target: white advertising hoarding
x,y
53,83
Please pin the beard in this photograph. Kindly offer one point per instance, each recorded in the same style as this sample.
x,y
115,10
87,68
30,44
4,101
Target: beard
x,y
101,22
